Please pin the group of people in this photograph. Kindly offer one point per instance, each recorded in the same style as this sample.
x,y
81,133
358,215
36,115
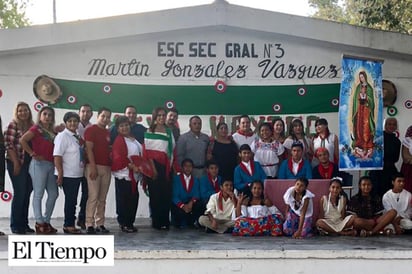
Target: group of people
x,y
190,177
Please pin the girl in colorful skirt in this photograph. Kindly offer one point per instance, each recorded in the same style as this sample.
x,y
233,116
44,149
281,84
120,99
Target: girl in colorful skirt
x,y
299,210
257,216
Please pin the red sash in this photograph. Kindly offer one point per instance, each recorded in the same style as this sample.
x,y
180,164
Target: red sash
x,y
290,165
191,183
244,168
215,185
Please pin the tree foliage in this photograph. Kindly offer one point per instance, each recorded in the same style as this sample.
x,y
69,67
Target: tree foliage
x,y
12,14
392,15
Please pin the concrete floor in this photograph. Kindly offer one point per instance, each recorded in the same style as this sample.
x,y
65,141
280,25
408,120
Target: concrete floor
x,y
167,251
189,239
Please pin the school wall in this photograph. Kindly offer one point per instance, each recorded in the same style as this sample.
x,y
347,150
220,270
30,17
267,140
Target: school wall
x,y
271,64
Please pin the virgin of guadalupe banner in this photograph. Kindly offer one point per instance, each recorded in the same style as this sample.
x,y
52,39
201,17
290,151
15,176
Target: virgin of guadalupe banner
x,y
360,115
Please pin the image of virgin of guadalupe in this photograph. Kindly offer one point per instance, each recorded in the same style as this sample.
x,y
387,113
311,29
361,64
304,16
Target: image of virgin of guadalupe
x,y
363,119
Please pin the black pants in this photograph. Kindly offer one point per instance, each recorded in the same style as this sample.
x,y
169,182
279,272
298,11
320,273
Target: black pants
x,y
182,219
71,191
83,200
160,195
126,202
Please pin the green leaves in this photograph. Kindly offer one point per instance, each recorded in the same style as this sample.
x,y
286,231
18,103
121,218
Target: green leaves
x,y
391,15
12,14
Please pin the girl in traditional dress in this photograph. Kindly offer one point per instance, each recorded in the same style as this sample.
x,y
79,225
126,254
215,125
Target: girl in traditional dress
x,y
158,148
332,212
268,152
299,210
257,216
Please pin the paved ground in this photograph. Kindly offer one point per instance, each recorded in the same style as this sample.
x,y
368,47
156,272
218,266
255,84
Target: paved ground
x,y
148,239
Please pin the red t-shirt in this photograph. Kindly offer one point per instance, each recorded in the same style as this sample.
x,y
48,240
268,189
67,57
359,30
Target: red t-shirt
x,y
100,137
42,143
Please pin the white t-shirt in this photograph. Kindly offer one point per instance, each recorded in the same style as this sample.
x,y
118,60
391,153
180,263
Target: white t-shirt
x,y
67,146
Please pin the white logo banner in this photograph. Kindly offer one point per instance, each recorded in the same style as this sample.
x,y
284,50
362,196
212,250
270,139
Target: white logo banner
x,y
64,250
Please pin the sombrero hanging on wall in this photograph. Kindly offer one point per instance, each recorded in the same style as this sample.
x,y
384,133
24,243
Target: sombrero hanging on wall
x,y
46,90
389,93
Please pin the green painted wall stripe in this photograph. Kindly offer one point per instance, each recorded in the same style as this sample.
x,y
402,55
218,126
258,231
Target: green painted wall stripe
x,y
202,100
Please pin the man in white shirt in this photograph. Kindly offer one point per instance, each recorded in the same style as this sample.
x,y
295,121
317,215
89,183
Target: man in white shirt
x,y
399,199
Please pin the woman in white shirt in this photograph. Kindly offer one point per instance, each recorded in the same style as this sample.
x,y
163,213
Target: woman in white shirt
x,y
69,168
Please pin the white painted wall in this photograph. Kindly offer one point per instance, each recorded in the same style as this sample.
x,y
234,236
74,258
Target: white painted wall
x,y
65,50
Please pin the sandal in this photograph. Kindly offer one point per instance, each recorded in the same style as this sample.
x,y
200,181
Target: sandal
x,y
389,232
365,233
322,232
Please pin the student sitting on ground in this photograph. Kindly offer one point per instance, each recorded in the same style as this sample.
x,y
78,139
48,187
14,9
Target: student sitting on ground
x,y
332,212
220,209
255,215
247,171
186,207
368,210
299,210
399,199
210,183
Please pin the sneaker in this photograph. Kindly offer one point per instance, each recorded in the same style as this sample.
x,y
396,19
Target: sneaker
x,y
90,230
102,229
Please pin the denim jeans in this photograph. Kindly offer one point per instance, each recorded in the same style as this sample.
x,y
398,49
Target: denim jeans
x,y
71,191
42,174
22,188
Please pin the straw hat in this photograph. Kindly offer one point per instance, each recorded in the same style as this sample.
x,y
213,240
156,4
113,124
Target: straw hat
x,y
389,93
46,90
